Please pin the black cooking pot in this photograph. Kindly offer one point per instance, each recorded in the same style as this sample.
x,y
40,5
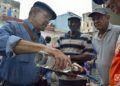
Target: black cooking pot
x,y
66,81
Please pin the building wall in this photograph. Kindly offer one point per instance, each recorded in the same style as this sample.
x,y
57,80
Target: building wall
x,y
10,8
87,24
115,18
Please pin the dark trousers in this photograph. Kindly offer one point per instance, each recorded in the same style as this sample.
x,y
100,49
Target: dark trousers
x,y
5,83
39,83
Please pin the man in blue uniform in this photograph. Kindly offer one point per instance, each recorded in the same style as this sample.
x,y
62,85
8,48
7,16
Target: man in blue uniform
x,y
19,42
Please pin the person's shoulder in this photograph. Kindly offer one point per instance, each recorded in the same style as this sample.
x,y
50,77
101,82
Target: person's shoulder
x,y
116,26
13,23
41,36
66,34
8,24
61,37
86,35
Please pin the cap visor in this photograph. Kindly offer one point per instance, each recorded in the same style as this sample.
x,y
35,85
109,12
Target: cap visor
x,y
92,14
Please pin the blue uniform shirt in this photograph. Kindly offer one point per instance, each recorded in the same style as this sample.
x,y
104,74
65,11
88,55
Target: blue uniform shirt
x,y
17,69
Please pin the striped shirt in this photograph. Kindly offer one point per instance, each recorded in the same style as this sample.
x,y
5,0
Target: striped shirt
x,y
75,45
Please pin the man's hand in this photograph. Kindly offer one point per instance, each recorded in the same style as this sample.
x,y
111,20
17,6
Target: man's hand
x,y
61,60
77,67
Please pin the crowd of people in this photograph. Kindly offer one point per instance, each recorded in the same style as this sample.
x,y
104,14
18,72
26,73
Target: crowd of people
x,y
20,41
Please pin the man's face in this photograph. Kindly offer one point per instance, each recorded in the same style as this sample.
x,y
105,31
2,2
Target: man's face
x,y
74,25
114,5
100,21
41,19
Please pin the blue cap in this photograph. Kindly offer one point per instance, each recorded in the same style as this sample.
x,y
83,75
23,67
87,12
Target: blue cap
x,y
100,2
45,7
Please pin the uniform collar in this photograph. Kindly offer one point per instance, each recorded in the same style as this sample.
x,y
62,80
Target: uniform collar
x,y
26,21
30,25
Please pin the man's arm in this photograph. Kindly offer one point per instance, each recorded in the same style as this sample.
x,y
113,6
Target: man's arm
x,y
61,60
81,58
10,44
29,47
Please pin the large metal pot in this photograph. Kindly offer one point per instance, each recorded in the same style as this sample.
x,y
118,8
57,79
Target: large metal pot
x,y
63,80
67,81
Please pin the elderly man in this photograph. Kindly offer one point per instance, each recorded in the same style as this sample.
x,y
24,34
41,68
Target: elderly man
x,y
104,41
20,41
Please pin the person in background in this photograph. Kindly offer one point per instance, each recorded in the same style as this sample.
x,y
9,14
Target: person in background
x,y
9,12
76,45
104,42
48,40
49,60
19,43
114,5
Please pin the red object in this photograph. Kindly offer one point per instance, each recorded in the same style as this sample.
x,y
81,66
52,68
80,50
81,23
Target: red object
x,y
114,73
